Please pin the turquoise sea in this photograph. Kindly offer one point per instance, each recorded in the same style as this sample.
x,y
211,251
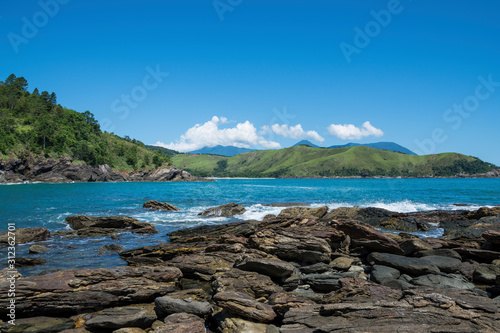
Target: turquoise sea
x,y
47,205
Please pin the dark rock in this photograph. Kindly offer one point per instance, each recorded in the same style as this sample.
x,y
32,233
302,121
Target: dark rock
x,y
438,252
445,264
269,267
302,212
182,323
159,254
316,268
382,274
323,283
226,210
486,273
243,305
170,305
38,324
26,262
397,284
107,224
163,174
251,283
35,248
73,291
156,205
111,248
292,246
214,232
451,281
412,266
283,302
141,316
196,266
130,330
357,230
343,213
25,235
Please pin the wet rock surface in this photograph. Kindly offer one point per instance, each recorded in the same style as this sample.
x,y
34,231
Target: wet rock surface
x,y
294,273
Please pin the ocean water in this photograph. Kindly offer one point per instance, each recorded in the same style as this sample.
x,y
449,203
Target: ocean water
x,y
47,205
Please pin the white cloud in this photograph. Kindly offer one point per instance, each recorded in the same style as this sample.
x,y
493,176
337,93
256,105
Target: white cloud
x,y
351,132
209,134
293,132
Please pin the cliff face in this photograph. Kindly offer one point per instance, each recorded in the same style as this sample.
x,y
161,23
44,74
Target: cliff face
x,y
65,171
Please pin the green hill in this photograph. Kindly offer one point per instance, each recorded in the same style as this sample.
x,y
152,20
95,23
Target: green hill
x,y
34,124
304,161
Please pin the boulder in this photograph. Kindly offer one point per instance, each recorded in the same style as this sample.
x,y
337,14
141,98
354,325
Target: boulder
x,y
156,205
439,252
341,263
486,273
27,262
492,236
170,305
24,235
269,267
292,246
320,267
410,246
214,232
141,316
409,265
74,291
303,212
35,248
343,213
102,225
182,323
226,210
245,306
111,248
130,330
382,274
228,322
483,212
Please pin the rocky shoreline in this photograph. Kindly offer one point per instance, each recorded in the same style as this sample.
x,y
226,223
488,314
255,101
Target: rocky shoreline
x,y
65,171
305,270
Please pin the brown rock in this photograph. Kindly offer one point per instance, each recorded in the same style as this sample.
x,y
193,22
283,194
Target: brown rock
x,y
492,236
245,306
410,246
25,235
156,205
226,210
303,212
182,323
251,283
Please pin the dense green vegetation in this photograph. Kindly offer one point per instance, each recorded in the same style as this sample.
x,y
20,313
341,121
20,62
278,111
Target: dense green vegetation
x,y
33,123
304,161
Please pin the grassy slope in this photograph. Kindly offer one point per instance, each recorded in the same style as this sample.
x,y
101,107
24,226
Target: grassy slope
x,y
303,161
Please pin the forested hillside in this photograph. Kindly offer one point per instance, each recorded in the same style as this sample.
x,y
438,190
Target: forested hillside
x,y
32,123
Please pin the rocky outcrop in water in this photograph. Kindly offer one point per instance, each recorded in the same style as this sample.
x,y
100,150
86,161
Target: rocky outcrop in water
x,y
285,274
65,171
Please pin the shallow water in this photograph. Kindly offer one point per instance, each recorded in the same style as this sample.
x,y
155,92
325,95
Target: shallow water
x,y
47,205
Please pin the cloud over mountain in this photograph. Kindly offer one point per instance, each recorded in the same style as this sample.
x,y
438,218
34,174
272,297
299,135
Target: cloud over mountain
x,y
293,132
351,132
209,134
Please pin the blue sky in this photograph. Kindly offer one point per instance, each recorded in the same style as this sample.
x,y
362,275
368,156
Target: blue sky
x,y
268,73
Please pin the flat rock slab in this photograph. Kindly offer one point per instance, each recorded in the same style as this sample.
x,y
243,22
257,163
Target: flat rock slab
x,y
170,305
141,316
251,283
269,267
182,323
38,324
83,222
303,212
409,265
452,281
73,291
245,306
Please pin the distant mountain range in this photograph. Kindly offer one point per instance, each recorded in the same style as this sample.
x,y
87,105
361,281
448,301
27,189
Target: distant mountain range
x,y
222,150
304,161
390,146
